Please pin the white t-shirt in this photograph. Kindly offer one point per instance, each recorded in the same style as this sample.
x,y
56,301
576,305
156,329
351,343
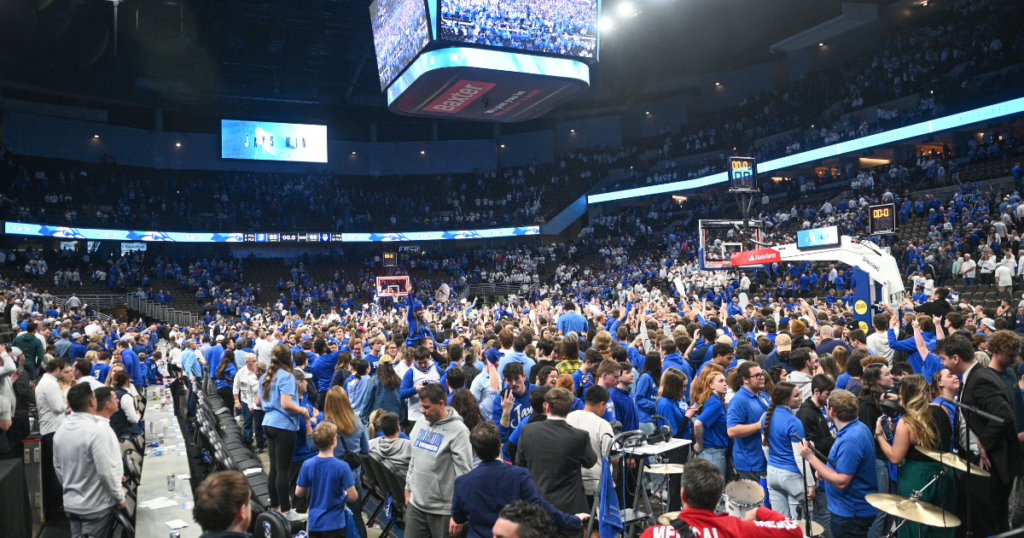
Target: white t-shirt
x,y
968,270
600,432
1004,276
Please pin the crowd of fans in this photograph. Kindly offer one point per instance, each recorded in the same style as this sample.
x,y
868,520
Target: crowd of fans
x,y
567,27
400,31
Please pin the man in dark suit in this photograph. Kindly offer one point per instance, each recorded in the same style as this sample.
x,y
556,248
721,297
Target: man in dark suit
x,y
555,453
992,446
481,493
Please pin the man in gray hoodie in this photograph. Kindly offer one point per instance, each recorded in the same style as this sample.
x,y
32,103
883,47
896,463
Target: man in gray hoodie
x,y
441,452
396,451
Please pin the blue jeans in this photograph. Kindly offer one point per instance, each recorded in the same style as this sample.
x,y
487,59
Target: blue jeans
x,y
969,281
32,370
786,491
882,475
716,456
850,527
97,524
247,423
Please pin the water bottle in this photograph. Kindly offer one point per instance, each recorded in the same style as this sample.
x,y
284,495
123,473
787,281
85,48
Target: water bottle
x,y
171,479
175,534
152,428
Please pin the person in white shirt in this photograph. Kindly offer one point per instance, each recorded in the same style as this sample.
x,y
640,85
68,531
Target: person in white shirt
x,y
87,460
16,312
878,342
589,419
51,407
263,347
988,267
969,270
246,392
1004,278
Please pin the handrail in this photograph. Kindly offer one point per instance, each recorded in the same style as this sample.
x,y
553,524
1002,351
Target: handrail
x,y
161,312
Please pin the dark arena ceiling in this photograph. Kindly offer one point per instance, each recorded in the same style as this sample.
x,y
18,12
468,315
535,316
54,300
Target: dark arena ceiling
x,y
227,57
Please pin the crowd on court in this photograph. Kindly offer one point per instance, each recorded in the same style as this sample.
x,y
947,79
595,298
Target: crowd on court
x,y
458,395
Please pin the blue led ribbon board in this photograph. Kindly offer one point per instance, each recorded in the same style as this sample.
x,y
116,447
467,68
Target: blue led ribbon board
x,y
1005,108
64,232
487,85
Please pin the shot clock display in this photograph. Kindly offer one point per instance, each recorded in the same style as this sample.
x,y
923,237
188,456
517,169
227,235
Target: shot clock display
x,y
743,174
882,219
390,259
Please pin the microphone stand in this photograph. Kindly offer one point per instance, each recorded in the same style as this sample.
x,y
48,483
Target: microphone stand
x,y
967,411
807,510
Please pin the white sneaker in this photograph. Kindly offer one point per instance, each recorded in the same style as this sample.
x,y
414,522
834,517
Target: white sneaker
x,y
292,515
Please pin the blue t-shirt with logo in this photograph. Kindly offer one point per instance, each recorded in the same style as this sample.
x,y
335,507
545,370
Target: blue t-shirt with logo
x,y
854,454
747,408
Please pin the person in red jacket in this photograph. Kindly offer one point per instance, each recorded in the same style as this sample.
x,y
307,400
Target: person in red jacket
x,y
702,489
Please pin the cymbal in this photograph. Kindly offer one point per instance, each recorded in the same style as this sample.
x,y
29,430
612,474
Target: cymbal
x,y
668,517
816,528
917,511
952,460
665,468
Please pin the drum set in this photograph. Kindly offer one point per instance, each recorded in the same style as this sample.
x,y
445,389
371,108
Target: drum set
x,y
741,496
913,509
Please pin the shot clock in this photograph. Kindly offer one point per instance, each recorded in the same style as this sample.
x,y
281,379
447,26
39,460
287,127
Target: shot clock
x,y
742,174
882,219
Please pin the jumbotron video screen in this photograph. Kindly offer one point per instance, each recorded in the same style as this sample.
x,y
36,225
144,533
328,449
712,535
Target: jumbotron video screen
x,y
401,29
564,27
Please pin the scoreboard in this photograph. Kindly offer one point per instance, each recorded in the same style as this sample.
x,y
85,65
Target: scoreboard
x,y
882,219
742,174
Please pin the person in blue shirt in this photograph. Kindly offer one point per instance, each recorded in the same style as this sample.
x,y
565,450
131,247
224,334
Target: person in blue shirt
x,y
225,379
626,411
304,447
788,486
927,365
132,365
279,397
709,427
153,375
514,404
744,416
101,368
570,321
78,349
329,481
852,477
647,392
355,385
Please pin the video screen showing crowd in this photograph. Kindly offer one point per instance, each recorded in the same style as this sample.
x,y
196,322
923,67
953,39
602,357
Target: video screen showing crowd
x,y
400,31
564,27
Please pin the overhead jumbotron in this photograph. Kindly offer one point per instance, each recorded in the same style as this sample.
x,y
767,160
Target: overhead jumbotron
x,y
475,60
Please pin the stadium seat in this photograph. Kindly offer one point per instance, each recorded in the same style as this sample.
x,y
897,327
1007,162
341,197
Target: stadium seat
x,y
372,483
273,525
396,486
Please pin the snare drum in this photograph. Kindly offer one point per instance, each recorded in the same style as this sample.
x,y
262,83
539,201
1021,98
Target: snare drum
x,y
743,496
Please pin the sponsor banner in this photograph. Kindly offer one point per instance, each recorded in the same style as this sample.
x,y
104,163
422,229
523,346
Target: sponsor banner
x,y
488,85
461,94
755,257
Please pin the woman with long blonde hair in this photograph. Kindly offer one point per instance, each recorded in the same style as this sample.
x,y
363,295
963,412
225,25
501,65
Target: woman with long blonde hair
x,y
352,438
710,440
926,426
